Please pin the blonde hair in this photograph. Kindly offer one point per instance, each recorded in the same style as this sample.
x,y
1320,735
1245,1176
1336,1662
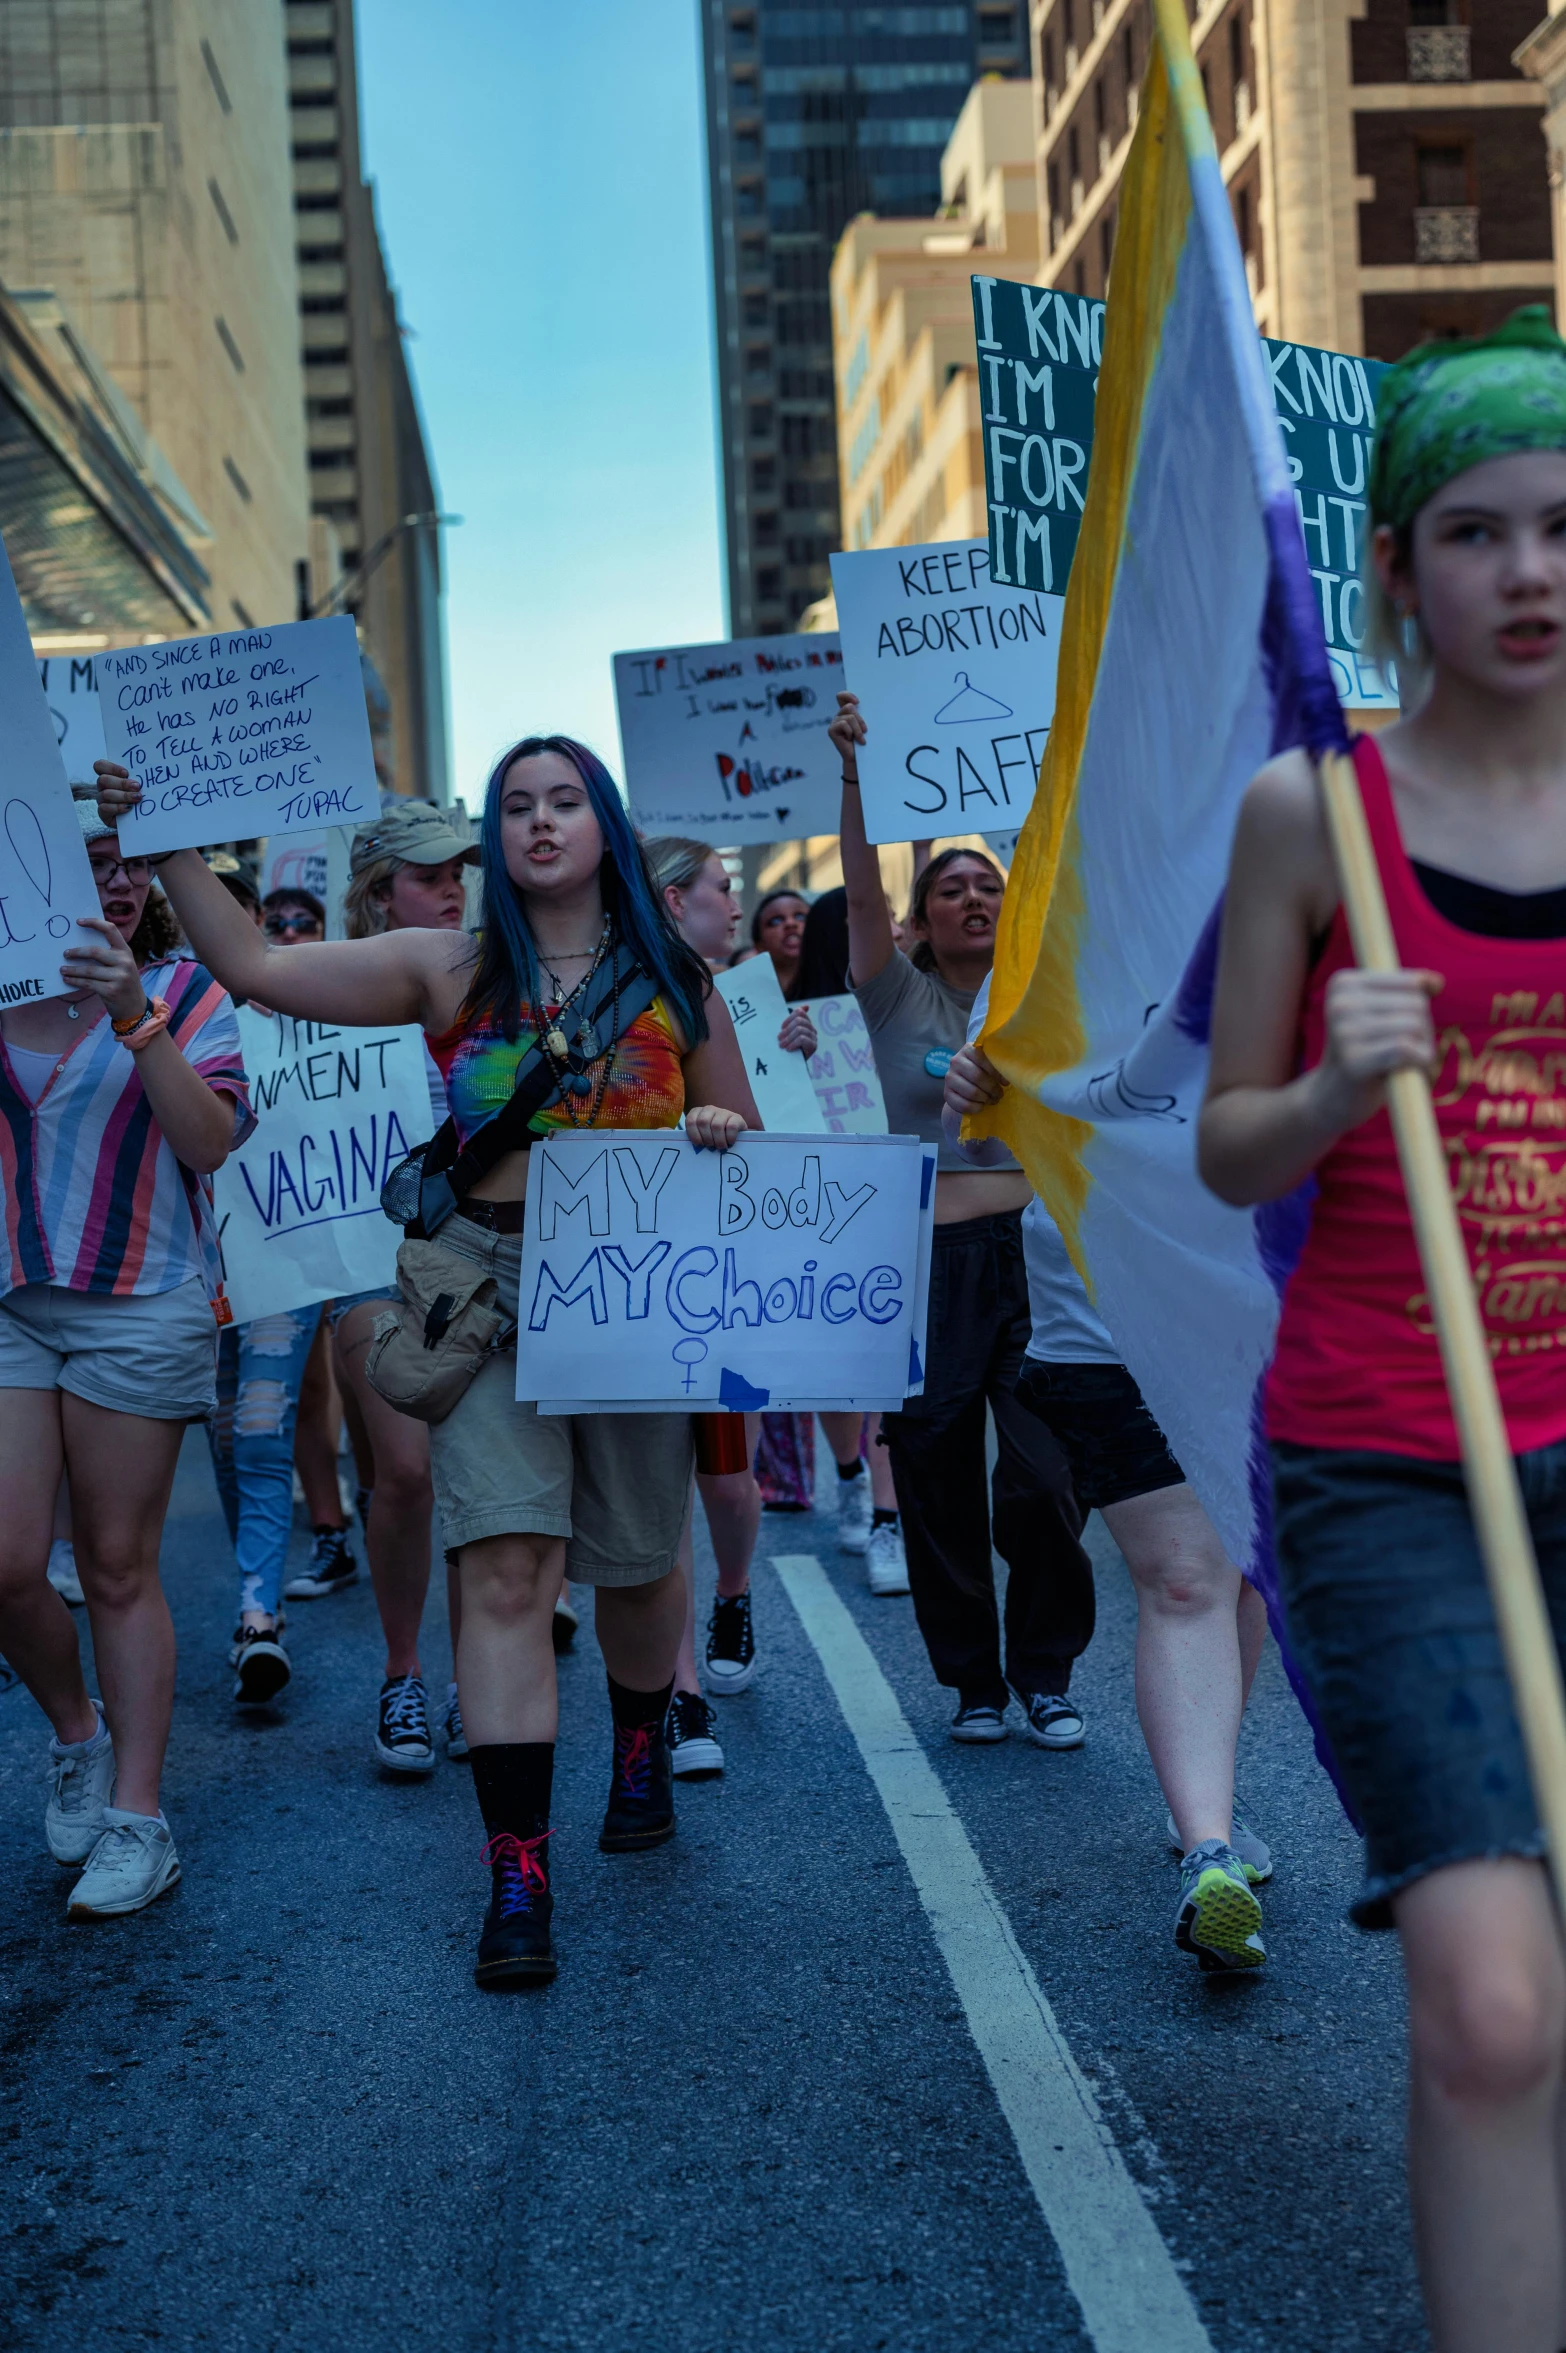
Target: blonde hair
x,y
364,915
1396,641
675,861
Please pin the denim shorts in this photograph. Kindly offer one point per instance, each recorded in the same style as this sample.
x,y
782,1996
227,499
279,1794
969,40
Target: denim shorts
x,y
1097,1415
336,1309
1389,1617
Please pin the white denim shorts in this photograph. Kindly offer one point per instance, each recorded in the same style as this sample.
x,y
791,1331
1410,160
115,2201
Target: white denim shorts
x,y
151,1353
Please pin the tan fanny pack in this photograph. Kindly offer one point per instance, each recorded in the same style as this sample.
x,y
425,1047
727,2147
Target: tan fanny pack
x,y
425,1351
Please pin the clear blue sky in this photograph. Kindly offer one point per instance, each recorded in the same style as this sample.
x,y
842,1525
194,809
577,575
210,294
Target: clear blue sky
x,y
542,187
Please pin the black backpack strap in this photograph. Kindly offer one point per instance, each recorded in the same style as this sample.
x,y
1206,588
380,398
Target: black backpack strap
x,y
444,1185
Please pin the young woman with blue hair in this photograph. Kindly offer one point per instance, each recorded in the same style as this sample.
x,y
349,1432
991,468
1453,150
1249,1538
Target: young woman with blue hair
x,y
567,896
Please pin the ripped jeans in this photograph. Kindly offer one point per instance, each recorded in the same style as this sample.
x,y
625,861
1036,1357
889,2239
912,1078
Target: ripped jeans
x,y
260,1368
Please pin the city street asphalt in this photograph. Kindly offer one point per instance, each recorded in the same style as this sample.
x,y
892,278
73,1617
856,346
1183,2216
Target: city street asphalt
x,y
752,2111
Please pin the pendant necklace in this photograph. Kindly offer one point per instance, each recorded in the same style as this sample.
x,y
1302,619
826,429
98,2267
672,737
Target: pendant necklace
x,y
556,1043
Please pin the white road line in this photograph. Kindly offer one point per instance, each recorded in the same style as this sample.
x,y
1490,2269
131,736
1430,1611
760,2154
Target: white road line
x,y
1133,2299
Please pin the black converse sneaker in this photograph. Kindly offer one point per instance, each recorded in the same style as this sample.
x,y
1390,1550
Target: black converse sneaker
x,y
260,1664
514,1945
402,1729
694,1753
332,1567
731,1646
641,1791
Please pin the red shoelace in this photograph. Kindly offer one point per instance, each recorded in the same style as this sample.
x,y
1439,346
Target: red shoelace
x,y
633,1757
523,1875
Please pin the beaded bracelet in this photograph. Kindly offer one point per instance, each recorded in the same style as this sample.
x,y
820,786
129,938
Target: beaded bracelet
x,y
147,1025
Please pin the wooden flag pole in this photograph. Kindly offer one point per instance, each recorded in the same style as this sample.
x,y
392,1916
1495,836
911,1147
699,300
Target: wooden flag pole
x,y
1495,1499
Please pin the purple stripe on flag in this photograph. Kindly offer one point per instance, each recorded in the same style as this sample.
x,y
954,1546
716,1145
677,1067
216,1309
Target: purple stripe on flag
x,y
1305,706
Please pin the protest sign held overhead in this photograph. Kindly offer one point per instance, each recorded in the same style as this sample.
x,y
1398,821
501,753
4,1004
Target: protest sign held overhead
x,y
244,732
46,882
70,684
728,742
842,1069
779,1080
655,1272
1039,353
956,678
299,1203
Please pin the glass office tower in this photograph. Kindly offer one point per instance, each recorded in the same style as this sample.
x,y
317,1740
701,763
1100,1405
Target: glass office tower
x,y
813,115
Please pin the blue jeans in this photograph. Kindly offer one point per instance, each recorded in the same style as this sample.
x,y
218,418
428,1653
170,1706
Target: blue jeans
x,y
260,1369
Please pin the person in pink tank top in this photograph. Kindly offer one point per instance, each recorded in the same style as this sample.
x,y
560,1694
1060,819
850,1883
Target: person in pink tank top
x,y
1388,1609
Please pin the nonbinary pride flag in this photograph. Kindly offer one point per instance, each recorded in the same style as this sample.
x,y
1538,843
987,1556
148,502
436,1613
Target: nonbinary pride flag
x,y
1190,552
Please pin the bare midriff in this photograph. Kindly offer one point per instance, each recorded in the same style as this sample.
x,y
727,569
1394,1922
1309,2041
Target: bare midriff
x,y
979,1192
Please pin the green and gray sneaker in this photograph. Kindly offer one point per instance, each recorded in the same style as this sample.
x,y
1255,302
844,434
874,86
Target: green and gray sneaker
x,y
1219,1917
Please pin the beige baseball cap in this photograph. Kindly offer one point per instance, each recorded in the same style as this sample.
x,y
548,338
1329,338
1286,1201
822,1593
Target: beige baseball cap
x,y
416,832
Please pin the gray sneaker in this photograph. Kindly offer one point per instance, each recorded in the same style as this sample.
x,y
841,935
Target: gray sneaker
x,y
132,1864
1247,1842
81,1783
1219,1918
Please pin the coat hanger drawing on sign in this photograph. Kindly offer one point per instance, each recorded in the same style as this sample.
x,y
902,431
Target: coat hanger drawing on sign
x,y
970,702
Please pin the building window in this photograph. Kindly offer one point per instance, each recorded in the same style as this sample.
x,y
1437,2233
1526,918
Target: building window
x,y
238,479
240,615
215,78
1079,277
760,424
231,347
1444,176
1106,245
1446,220
222,211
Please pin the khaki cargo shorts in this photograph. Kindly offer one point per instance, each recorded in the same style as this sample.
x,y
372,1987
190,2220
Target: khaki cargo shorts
x,y
615,1485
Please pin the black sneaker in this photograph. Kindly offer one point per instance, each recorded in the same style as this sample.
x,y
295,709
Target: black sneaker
x,y
514,1943
332,1567
563,1625
260,1664
641,1793
456,1738
731,1646
402,1729
694,1754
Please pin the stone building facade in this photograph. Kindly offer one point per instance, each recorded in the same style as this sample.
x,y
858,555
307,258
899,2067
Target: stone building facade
x,y
1384,158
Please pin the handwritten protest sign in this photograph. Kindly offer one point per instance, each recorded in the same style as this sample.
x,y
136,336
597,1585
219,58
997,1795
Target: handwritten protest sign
x,y
1039,354
298,1205
779,1080
45,881
70,685
842,1070
787,1267
728,742
956,679
245,732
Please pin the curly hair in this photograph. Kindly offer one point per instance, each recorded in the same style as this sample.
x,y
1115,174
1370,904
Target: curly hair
x,y
158,933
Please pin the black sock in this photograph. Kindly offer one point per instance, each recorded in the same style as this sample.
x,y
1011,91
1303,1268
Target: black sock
x,y
633,1708
883,1519
513,1780
850,1470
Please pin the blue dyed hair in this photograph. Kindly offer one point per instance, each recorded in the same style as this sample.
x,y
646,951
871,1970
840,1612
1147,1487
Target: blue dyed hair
x,y
507,971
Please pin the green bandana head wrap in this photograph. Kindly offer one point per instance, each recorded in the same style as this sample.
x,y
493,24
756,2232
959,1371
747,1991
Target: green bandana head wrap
x,y
1449,406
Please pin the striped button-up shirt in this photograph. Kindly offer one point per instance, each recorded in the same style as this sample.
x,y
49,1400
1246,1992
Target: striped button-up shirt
x,y
94,1198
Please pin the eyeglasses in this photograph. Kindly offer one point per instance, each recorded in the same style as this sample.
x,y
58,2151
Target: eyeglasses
x,y
135,870
301,920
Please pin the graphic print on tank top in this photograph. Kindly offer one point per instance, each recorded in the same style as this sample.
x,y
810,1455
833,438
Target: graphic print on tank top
x,y
1357,1363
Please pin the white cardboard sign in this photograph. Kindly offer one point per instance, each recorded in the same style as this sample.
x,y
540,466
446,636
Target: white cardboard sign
x,y
842,1069
728,742
779,1080
298,1205
70,685
46,883
245,732
955,676
655,1272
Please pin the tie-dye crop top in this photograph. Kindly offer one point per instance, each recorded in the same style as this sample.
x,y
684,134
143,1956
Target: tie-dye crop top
x,y
646,1085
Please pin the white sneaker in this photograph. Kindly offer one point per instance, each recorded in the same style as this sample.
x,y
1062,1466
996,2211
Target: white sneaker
x,y
62,1572
81,1783
854,1508
887,1563
132,1864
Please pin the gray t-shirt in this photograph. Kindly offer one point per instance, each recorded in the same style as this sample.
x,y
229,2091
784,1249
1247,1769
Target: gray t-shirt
x,y
916,1025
